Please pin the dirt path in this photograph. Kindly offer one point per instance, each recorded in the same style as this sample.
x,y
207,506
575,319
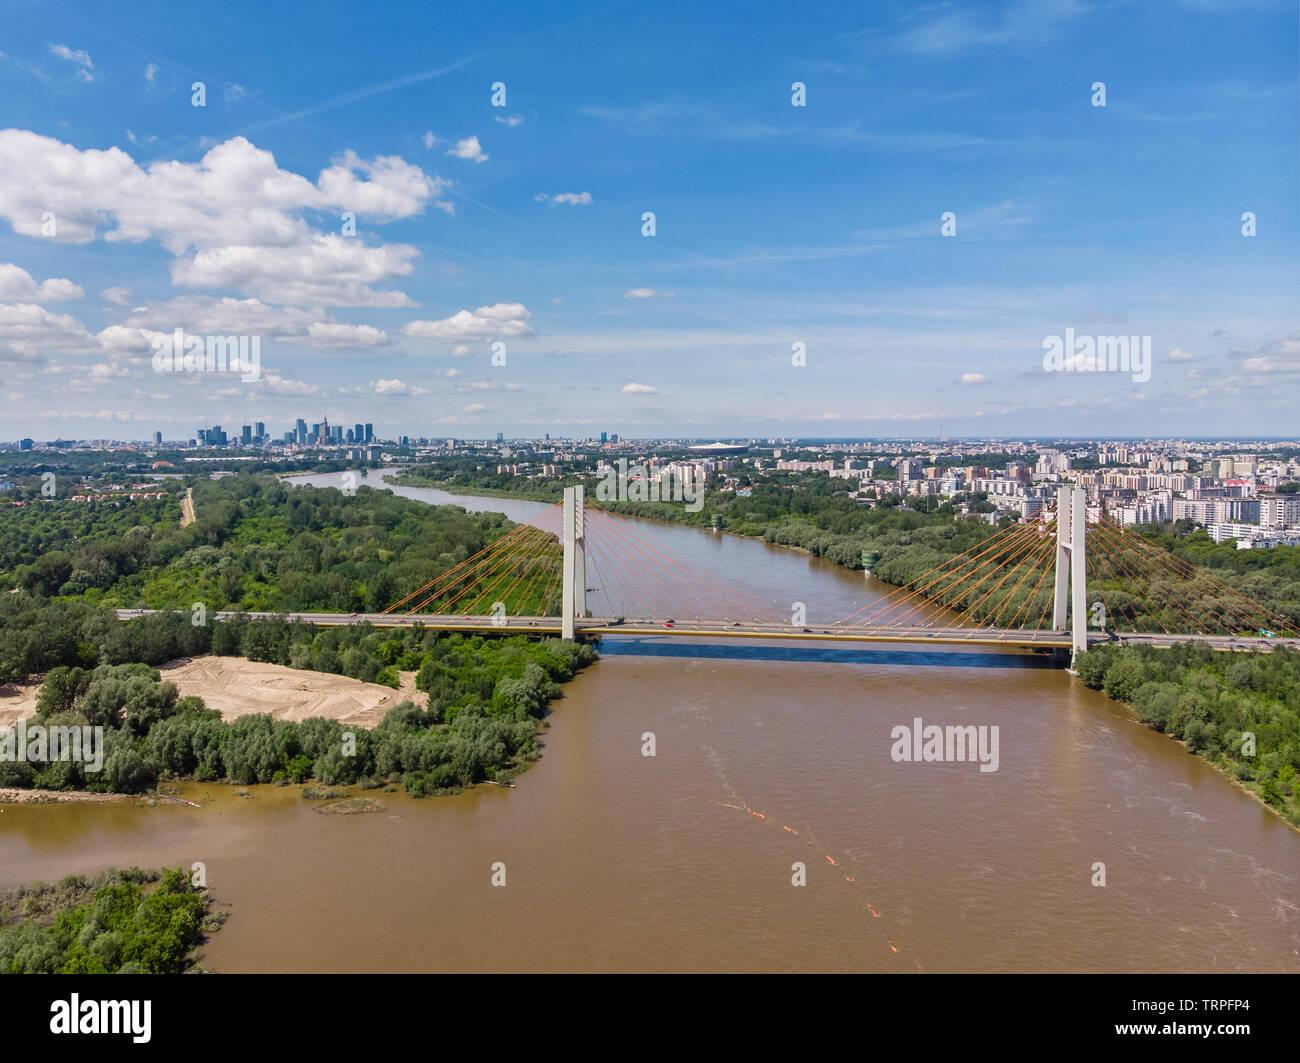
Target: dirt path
x,y
187,508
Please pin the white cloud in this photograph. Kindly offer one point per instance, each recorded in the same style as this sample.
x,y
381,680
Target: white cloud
x,y
1178,355
1279,358
396,387
393,187
639,389
330,270
512,121
973,378
151,72
469,148
75,55
28,332
475,407
104,371
571,198
461,350
336,334
499,321
116,295
16,283
645,293
227,316
429,139
279,385
227,209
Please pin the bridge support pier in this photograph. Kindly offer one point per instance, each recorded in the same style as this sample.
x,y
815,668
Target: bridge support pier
x,y
574,576
1071,591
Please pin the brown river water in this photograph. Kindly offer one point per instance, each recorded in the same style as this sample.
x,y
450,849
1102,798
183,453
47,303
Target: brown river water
x,y
615,861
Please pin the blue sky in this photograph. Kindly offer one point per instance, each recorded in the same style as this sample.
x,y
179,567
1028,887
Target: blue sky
x,y
774,224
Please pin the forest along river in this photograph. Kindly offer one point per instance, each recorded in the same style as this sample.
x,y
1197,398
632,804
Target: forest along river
x,y
616,861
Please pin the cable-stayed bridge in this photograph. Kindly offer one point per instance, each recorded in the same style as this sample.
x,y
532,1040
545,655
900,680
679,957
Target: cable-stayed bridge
x,y
1062,581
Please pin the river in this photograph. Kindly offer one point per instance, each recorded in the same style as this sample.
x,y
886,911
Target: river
x,y
615,861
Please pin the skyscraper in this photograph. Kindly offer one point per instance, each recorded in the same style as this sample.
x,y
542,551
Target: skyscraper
x,y
157,439
359,433
302,430
246,435
259,431
370,432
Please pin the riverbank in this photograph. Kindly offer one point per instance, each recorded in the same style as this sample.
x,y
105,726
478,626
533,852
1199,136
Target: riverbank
x,y
457,489
16,796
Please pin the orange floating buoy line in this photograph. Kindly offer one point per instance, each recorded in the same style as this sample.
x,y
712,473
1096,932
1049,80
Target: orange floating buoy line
x,y
830,859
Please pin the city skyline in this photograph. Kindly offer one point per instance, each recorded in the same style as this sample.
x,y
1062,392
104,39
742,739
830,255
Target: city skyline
x,y
798,280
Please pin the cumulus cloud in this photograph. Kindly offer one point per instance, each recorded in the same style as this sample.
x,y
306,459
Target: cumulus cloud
x,y
1178,355
16,283
1279,358
645,293
512,121
28,332
226,316
973,378
278,385
219,215
570,198
337,334
396,387
118,296
499,321
151,72
639,389
469,148
475,407
330,270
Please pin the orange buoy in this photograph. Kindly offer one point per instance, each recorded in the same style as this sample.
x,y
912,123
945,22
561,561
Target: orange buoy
x,y
753,813
849,878
873,911
786,828
831,859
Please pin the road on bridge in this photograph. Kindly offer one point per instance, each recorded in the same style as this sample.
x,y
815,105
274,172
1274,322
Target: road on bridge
x,y
594,626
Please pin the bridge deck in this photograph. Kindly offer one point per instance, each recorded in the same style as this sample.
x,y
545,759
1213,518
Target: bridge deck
x,y
1023,639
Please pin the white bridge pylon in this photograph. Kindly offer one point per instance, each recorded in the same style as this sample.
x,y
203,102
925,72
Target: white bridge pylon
x,y
574,578
1071,565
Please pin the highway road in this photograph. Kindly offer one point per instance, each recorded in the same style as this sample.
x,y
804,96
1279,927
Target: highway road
x,y
735,628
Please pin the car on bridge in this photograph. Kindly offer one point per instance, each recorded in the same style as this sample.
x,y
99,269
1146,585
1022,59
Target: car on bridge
x,y
668,622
